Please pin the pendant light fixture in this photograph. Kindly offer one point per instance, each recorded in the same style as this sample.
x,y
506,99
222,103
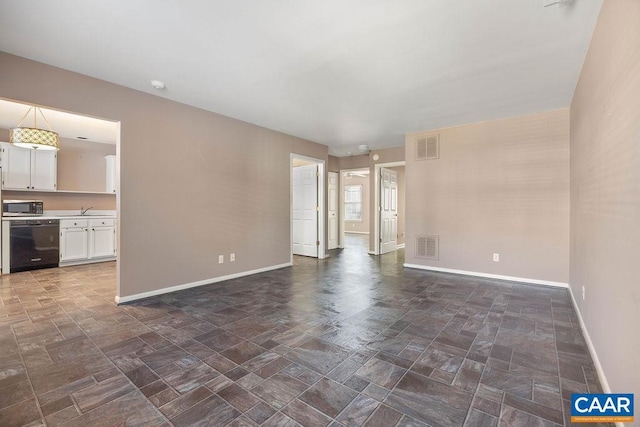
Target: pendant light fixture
x,y
35,138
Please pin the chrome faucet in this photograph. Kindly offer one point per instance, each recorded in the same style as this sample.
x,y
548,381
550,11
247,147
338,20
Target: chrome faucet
x,y
83,211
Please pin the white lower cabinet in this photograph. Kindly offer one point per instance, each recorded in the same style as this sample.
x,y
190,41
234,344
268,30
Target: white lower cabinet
x,y
102,241
87,240
74,244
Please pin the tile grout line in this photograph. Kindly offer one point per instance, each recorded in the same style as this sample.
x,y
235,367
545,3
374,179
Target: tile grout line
x,y
502,315
116,367
26,369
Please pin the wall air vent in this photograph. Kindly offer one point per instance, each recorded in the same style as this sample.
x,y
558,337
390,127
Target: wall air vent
x,y
427,247
427,147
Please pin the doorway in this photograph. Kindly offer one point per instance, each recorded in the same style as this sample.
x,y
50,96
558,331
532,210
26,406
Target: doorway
x,y
307,207
355,207
82,175
389,202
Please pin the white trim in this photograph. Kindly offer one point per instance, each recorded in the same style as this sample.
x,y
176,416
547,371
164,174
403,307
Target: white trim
x,y
118,246
355,232
371,253
6,241
342,227
120,300
400,246
322,212
592,350
86,261
490,276
338,209
377,202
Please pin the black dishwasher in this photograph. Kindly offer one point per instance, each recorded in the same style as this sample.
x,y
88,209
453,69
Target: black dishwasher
x,y
35,243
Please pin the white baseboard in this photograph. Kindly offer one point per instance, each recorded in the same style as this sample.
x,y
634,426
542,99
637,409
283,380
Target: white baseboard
x,y
356,232
400,246
592,350
490,276
129,298
86,261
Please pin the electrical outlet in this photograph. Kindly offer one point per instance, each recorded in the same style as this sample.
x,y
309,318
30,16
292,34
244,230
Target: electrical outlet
x,y
583,293
220,259
232,257
496,257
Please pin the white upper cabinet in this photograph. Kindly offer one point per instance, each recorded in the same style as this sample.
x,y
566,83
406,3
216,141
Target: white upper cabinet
x,y
44,170
111,174
27,169
16,167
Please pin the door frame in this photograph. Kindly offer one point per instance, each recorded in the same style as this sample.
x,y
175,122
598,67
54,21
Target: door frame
x,y
377,202
322,214
338,209
341,202
4,233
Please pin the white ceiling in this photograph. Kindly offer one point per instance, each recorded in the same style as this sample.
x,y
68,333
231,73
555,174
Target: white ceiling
x,y
341,73
67,125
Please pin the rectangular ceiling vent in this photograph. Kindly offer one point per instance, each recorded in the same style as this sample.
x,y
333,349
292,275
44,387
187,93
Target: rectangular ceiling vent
x,y
427,247
427,147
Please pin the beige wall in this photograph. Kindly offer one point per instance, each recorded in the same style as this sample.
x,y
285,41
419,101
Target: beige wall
x,y
333,164
498,187
359,226
82,165
194,184
388,155
353,162
605,193
65,201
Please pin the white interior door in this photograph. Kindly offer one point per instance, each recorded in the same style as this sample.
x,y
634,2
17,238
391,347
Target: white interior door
x,y
305,211
388,210
332,211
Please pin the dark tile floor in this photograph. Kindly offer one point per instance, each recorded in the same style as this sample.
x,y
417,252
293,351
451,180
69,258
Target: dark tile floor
x,y
348,341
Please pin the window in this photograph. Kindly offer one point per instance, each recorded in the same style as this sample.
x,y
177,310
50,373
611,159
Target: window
x,y
353,202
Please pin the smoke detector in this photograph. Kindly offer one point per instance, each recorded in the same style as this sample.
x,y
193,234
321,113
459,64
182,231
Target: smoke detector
x,y
547,3
157,84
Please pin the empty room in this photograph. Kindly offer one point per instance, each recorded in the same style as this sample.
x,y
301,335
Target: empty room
x,y
338,213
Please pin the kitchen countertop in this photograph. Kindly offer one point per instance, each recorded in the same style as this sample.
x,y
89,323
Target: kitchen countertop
x,y
60,217
72,214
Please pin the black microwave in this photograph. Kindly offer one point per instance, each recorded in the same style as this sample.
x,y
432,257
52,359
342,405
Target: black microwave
x,y
22,207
